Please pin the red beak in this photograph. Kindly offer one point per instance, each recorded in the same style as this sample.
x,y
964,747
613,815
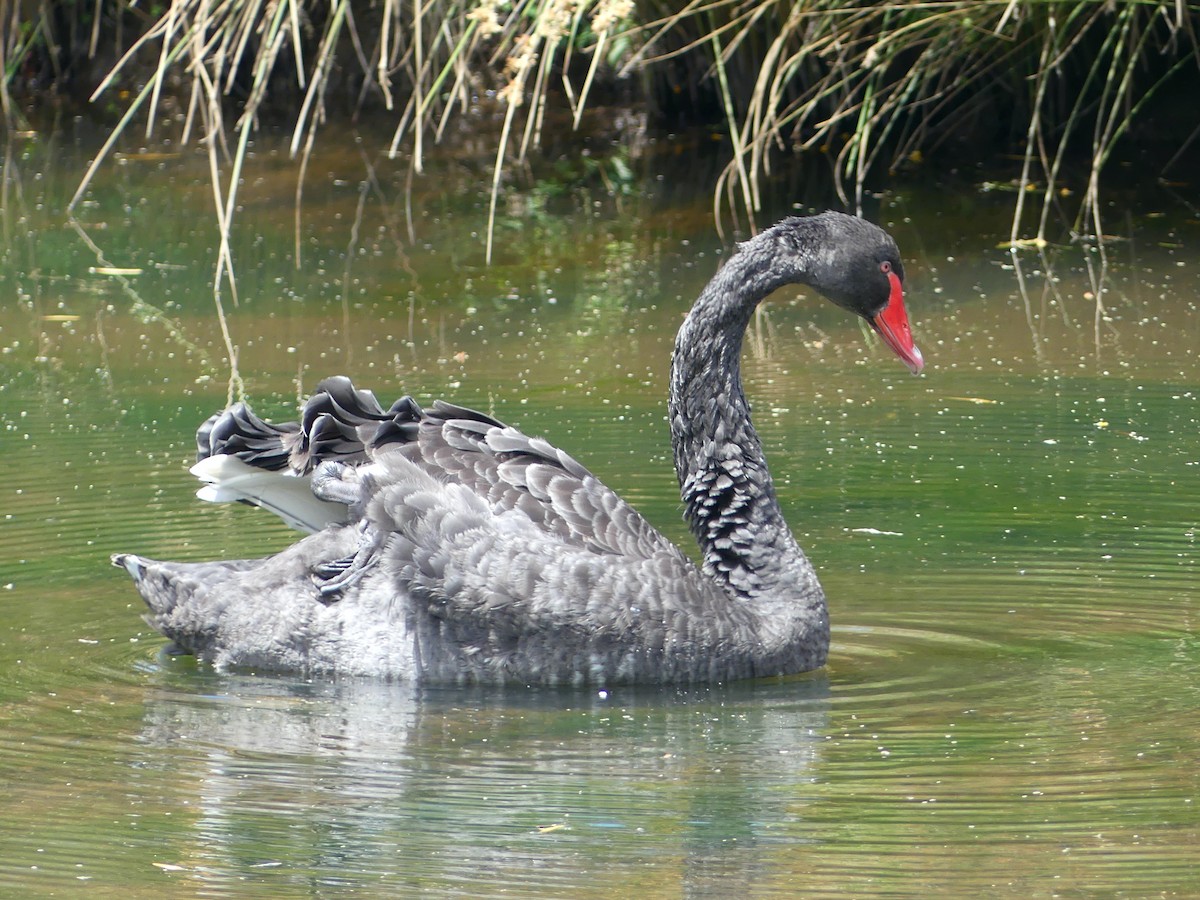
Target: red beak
x,y
892,325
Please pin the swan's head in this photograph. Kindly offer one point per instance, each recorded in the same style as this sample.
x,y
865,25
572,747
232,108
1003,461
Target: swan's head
x,y
857,266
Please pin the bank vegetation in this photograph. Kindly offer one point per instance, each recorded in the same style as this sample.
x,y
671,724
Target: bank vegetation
x,y
874,86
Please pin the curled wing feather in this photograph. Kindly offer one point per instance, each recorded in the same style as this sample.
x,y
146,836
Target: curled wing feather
x,y
507,470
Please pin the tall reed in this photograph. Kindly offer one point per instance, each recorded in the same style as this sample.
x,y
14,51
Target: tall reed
x,y
871,84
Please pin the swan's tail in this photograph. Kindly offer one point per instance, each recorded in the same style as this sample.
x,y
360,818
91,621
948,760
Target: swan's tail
x,y
244,612
170,591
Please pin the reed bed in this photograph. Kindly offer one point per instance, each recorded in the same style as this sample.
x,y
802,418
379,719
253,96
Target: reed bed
x,y
873,85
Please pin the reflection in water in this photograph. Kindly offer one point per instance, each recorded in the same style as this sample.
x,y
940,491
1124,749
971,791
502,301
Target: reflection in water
x,y
355,780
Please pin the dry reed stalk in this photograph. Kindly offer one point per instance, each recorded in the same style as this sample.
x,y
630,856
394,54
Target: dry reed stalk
x,y
871,82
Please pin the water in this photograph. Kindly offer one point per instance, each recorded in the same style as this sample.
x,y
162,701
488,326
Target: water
x,y
1008,543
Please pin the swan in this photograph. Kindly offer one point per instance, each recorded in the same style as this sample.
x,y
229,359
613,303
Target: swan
x,y
448,547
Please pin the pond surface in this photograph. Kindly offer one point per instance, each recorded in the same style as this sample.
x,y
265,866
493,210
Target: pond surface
x,y
1008,542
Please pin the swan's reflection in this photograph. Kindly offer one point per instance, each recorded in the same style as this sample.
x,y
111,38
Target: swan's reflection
x,y
364,782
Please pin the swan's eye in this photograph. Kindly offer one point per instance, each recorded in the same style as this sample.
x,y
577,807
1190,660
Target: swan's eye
x,y
885,267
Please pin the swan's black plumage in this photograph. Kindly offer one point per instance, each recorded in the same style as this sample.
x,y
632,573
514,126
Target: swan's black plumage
x,y
448,546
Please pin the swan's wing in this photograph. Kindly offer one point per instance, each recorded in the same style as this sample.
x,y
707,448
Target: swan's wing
x,y
336,423
511,471
499,581
507,469
237,432
242,457
227,478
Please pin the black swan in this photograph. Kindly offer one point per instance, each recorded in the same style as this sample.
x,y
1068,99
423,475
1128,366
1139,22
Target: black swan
x,y
449,547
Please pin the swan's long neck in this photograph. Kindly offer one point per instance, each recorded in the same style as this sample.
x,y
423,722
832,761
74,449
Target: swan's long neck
x,y
727,491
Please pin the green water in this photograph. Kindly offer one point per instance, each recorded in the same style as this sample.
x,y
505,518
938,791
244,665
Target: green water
x,y
1008,543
